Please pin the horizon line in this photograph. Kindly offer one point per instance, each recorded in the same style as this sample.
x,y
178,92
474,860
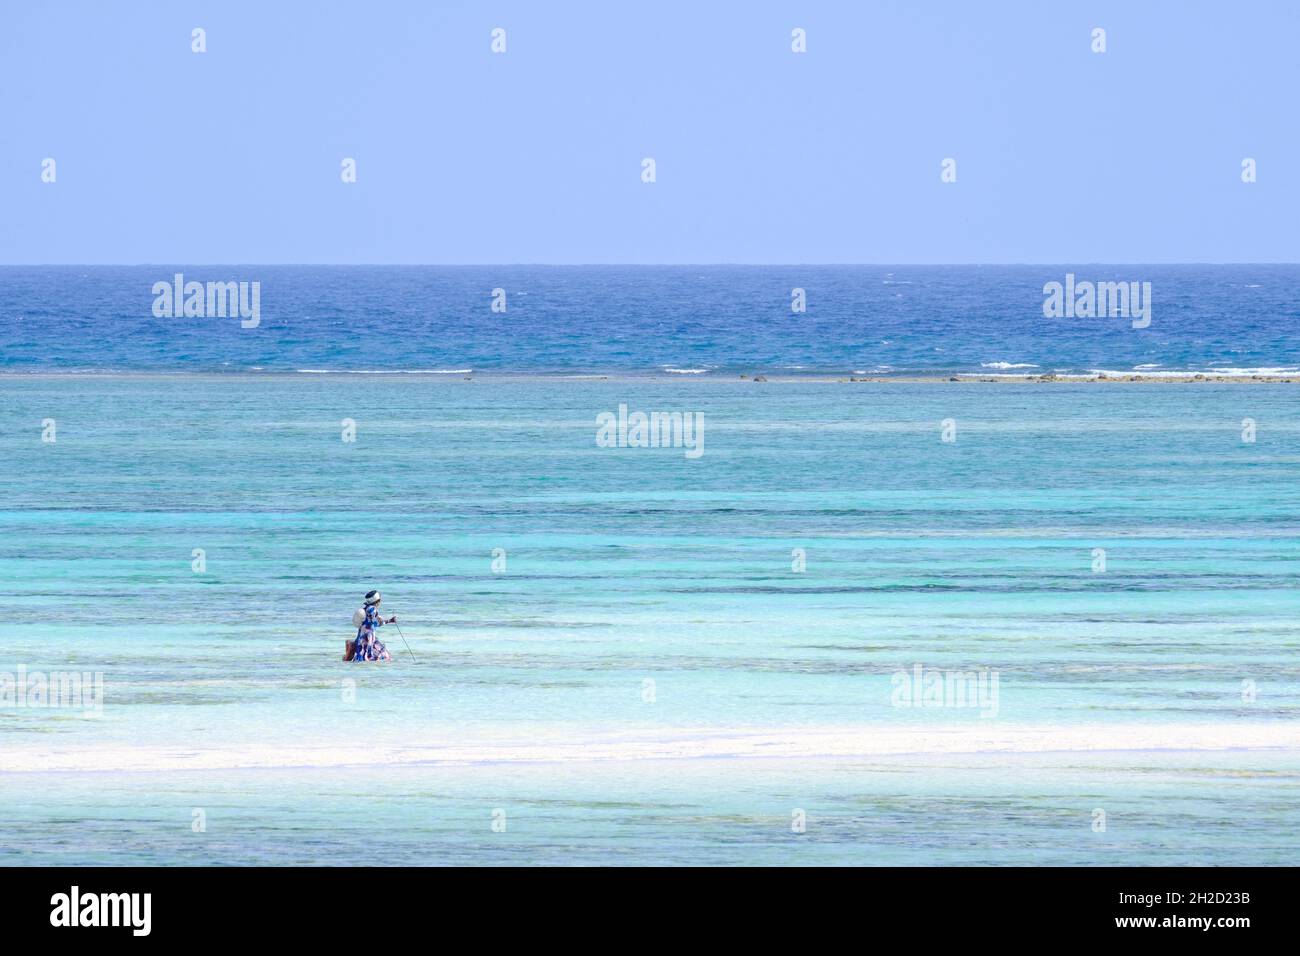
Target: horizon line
x,y
585,265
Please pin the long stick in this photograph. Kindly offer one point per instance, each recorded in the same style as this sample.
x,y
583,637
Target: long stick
x,y
403,637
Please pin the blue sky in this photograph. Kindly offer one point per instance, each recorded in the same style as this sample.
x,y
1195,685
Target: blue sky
x,y
763,155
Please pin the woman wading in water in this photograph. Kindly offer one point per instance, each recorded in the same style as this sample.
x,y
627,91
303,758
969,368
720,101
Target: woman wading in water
x,y
367,647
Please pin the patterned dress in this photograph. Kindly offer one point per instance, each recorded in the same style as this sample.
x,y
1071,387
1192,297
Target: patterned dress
x,y
369,647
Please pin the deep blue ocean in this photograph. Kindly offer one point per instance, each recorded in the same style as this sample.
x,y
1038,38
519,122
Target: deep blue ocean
x,y
719,320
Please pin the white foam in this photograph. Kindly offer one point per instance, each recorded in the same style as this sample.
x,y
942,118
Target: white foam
x,y
1268,370
1007,365
384,371
1222,371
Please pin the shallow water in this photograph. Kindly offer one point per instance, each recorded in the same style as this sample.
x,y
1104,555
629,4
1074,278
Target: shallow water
x,y
624,566
1166,809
